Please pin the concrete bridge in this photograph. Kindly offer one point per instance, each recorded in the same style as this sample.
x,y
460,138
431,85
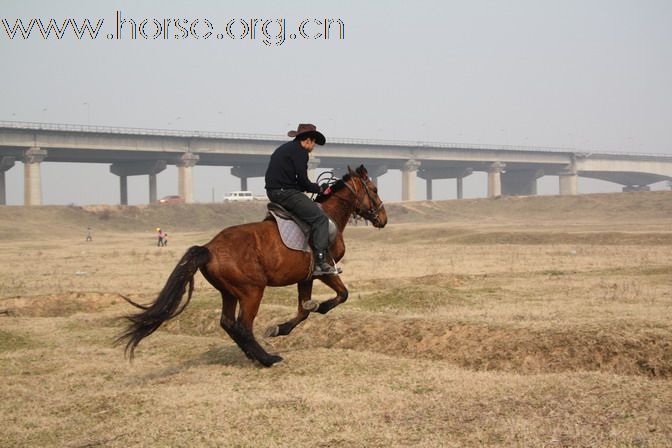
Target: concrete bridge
x,y
511,170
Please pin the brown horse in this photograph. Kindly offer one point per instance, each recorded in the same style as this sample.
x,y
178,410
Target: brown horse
x,y
241,261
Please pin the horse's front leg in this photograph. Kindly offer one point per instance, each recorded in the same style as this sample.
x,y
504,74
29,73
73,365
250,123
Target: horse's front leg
x,y
305,291
242,331
335,283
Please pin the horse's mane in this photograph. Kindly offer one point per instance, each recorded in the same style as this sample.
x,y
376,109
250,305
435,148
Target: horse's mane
x,y
338,185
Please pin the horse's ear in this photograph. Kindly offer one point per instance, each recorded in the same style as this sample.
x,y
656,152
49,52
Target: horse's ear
x,y
350,172
361,171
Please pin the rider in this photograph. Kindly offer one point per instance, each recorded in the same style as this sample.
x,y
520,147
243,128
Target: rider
x,y
287,179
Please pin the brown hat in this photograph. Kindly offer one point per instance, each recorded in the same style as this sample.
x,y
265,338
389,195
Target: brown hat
x,y
308,130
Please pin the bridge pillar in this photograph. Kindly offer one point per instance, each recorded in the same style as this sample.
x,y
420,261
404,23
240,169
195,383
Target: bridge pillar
x,y
185,182
448,172
408,175
568,182
459,180
246,171
5,164
152,188
140,168
520,182
375,172
123,190
495,179
32,179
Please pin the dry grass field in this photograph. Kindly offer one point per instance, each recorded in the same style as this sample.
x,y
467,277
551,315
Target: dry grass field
x,y
531,322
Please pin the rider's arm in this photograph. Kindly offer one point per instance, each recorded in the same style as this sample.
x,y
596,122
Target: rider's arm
x,y
301,167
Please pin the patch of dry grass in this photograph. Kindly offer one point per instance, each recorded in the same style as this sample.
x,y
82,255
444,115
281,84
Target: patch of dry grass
x,y
515,322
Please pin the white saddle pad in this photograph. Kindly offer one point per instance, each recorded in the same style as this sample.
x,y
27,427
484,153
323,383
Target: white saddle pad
x,y
291,234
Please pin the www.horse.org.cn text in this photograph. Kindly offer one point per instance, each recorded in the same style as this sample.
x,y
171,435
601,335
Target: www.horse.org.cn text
x,y
270,32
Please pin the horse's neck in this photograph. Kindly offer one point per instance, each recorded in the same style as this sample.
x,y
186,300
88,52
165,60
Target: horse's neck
x,y
339,210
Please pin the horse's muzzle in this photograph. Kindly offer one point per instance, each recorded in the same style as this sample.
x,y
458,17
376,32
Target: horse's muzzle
x,y
380,219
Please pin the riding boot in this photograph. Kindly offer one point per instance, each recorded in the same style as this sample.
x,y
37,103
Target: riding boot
x,y
322,267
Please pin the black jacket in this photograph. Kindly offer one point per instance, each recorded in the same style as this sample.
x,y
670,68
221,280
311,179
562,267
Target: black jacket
x,y
288,168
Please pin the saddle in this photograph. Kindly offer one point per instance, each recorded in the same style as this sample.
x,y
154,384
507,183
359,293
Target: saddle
x,y
294,232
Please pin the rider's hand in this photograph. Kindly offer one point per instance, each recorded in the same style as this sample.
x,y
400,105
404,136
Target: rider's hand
x,y
325,189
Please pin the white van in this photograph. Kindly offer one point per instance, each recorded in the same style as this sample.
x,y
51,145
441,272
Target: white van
x,y
237,196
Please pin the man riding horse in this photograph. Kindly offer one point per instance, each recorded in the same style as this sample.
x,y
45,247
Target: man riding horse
x,y
287,179
243,260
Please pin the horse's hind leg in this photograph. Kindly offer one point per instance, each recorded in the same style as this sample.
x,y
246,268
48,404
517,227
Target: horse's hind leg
x,y
305,291
241,329
335,283
228,319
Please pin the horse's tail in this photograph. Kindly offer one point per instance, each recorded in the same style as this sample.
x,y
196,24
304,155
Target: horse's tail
x,y
167,304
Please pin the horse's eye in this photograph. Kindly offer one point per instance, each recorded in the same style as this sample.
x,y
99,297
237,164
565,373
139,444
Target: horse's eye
x,y
375,190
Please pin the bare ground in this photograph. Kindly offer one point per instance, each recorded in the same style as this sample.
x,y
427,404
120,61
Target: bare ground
x,y
510,322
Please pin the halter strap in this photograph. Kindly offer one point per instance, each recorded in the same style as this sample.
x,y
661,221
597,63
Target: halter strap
x,y
372,212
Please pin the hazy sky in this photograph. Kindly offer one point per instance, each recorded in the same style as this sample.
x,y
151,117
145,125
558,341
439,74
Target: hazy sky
x,y
590,74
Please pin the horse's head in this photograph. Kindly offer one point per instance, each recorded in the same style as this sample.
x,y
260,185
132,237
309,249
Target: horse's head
x,y
368,204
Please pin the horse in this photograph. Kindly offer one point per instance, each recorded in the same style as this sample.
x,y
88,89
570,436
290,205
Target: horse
x,y
241,261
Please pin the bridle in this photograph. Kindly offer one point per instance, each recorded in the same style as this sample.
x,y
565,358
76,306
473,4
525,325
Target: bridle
x,y
371,213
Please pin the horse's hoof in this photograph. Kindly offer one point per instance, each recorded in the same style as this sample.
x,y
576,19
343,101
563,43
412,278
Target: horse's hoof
x,y
272,331
310,305
270,360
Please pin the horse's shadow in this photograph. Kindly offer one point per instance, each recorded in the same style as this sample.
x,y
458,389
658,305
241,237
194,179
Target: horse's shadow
x,y
230,356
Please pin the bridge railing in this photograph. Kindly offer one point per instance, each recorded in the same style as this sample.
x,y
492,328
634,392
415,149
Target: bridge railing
x,y
64,127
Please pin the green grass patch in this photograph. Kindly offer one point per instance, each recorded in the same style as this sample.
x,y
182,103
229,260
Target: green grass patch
x,y
10,341
652,271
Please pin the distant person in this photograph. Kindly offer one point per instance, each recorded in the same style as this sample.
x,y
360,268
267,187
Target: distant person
x,y
287,179
159,235
165,239
88,234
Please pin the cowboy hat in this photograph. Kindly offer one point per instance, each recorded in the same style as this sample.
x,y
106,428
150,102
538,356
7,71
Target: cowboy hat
x,y
308,130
